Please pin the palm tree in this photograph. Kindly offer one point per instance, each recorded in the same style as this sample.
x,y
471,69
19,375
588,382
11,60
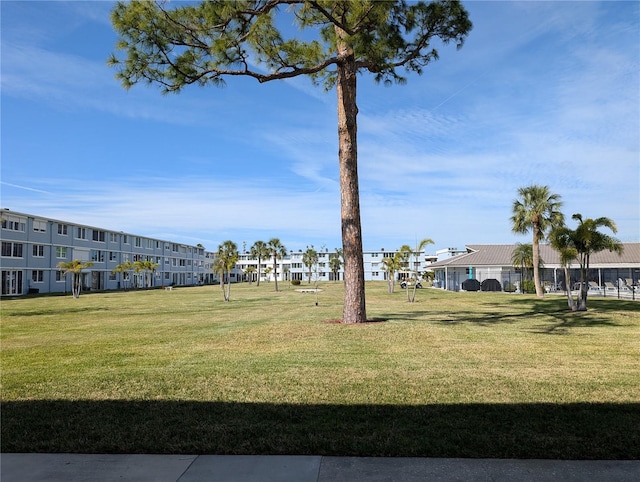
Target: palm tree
x,y
75,268
402,258
421,245
278,251
226,258
587,240
539,211
391,265
147,267
259,251
123,268
335,263
561,240
309,259
522,258
249,271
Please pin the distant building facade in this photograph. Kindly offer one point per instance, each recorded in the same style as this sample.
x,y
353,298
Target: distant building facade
x,y
33,247
608,272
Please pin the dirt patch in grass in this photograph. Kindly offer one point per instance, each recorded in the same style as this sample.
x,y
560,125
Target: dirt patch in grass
x,y
368,322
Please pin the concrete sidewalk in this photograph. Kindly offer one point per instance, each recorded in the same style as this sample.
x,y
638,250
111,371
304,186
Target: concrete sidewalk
x,y
298,468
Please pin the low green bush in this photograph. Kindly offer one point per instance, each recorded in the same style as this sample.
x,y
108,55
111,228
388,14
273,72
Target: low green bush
x,y
509,287
295,282
529,286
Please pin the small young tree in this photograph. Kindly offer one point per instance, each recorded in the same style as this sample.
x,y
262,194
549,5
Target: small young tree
x,y
561,240
522,259
225,260
391,266
74,268
204,43
403,255
421,246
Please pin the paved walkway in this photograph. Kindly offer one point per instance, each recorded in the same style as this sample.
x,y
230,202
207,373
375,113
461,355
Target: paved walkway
x,y
298,468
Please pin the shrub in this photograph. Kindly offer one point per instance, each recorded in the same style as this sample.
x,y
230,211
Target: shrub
x,y
529,286
295,282
509,287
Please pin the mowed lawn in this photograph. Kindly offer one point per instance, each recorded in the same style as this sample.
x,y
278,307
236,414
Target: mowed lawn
x,y
451,375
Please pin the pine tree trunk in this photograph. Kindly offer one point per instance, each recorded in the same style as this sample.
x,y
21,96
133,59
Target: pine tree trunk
x,y
354,297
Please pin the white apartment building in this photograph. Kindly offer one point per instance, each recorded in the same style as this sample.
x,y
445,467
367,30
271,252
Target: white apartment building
x,y
33,247
292,267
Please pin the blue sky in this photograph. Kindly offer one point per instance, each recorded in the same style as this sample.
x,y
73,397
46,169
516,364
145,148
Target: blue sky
x,y
541,92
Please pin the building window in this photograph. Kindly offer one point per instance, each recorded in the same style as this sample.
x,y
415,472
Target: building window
x,y
37,276
125,239
138,242
125,257
61,252
11,250
97,256
59,276
38,251
98,235
113,256
81,233
40,226
12,282
62,229
112,276
113,238
14,224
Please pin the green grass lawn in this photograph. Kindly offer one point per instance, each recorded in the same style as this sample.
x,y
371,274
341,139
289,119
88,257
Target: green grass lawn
x,y
452,375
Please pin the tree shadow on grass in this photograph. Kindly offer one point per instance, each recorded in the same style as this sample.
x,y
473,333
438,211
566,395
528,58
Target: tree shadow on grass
x,y
569,431
559,318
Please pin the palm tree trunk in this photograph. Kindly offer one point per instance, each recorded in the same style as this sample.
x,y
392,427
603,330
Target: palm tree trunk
x,y
536,261
77,281
582,304
567,280
275,269
354,310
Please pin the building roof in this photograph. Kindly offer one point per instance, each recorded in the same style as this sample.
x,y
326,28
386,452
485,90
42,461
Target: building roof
x,y
500,255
